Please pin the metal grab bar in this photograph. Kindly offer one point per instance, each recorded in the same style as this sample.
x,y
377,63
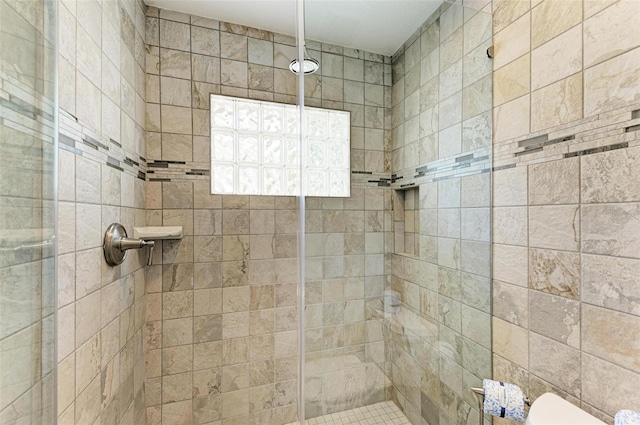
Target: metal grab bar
x,y
22,246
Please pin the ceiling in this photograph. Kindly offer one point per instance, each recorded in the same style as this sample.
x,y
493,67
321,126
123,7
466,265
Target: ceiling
x,y
378,26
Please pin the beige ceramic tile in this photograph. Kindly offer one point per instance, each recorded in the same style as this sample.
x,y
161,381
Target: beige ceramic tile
x,y
611,229
612,84
512,119
512,80
554,182
606,385
610,282
555,362
603,37
611,335
512,42
557,58
556,104
511,342
551,18
611,176
555,272
555,227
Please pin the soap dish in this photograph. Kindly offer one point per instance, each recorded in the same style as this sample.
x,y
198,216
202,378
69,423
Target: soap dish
x,y
158,232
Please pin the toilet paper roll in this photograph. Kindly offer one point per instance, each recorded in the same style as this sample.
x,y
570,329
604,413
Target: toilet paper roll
x,y
627,417
503,400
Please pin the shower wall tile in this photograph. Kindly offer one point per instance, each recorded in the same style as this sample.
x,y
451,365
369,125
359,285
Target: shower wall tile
x,y
227,291
574,145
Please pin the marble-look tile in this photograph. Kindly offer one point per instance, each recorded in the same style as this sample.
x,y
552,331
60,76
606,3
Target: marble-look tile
x,y
511,342
551,18
512,80
602,36
175,63
510,225
555,362
607,386
555,272
556,104
476,98
612,84
510,264
555,317
260,77
611,335
88,226
234,73
512,119
611,229
205,69
557,58
511,303
175,35
450,50
513,41
88,186
510,187
205,41
611,176
476,31
555,227
611,282
176,119
233,47
555,182
507,11
176,92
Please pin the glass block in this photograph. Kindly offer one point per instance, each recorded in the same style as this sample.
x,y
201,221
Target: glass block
x,y
315,153
272,181
248,116
293,151
222,178
339,126
272,119
338,154
248,148
223,146
316,182
292,182
249,180
222,112
272,150
316,123
338,183
291,120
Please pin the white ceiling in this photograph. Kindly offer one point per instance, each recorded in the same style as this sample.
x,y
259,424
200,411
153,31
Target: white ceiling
x,y
378,26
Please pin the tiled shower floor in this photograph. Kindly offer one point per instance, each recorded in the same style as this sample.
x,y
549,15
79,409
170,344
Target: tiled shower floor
x,y
385,412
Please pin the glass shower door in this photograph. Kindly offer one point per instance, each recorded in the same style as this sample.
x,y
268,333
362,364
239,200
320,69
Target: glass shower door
x,y
27,211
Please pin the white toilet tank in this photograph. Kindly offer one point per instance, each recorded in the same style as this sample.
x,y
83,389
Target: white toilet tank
x,y
550,409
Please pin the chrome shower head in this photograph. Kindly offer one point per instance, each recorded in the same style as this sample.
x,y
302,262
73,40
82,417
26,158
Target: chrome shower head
x,y
309,66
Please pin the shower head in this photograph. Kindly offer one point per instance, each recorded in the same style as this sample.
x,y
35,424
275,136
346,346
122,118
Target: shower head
x,y
309,66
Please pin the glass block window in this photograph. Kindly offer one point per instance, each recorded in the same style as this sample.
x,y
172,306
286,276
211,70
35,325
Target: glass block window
x,y
255,149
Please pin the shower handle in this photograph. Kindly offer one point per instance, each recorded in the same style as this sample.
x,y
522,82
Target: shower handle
x,y
116,244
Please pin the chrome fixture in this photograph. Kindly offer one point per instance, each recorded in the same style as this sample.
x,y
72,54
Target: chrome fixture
x,y
309,64
116,245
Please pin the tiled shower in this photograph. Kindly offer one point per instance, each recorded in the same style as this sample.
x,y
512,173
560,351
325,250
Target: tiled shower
x,y
490,230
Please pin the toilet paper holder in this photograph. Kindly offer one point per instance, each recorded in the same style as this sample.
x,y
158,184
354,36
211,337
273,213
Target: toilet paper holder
x,y
479,392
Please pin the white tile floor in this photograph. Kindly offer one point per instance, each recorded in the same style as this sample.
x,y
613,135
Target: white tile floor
x,y
385,412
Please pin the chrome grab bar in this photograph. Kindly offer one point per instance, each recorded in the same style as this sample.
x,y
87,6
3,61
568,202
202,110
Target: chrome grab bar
x,y
31,245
